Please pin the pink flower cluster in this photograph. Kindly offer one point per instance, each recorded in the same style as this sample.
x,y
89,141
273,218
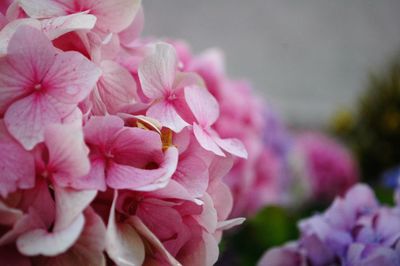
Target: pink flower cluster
x,y
109,144
257,180
329,167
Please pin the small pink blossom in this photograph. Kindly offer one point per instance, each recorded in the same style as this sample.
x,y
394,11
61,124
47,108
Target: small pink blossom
x,y
40,86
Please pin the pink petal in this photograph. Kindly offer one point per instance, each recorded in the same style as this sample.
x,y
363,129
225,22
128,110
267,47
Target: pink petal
x,y
206,141
167,115
203,105
233,146
128,177
228,224
123,244
55,27
116,86
42,8
152,239
31,54
68,154
95,179
136,147
70,204
223,200
100,130
192,174
88,249
130,34
208,217
71,78
116,15
17,166
157,71
27,119
8,31
41,242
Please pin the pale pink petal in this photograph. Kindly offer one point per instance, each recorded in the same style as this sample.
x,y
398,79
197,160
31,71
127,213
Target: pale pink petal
x,y
130,34
157,71
206,141
136,147
233,146
27,119
116,15
203,105
201,252
167,115
55,27
17,166
174,190
100,130
123,244
208,217
153,240
70,204
41,242
71,77
8,31
42,8
68,154
95,179
228,224
39,205
116,86
222,198
128,177
88,249
192,174
9,216
31,54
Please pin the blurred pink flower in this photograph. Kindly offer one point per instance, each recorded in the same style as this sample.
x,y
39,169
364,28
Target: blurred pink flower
x,y
331,169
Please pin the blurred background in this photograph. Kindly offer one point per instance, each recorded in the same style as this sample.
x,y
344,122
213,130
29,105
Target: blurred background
x,y
330,73
307,57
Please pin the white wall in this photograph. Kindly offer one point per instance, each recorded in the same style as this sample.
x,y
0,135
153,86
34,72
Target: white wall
x,y
307,57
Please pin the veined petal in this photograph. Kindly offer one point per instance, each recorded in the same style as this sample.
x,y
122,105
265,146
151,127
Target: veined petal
x,y
206,141
123,244
204,106
17,166
167,115
41,242
27,119
157,71
42,8
57,26
70,204
67,152
116,86
71,77
128,177
233,146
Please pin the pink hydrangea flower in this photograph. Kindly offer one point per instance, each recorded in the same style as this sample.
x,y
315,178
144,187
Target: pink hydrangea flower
x,y
109,151
40,86
330,167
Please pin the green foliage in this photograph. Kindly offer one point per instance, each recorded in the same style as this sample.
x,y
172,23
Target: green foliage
x,y
373,130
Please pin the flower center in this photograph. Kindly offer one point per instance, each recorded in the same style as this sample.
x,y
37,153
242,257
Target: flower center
x,y
38,87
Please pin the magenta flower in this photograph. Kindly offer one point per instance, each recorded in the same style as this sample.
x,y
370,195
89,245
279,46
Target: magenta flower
x,y
331,168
